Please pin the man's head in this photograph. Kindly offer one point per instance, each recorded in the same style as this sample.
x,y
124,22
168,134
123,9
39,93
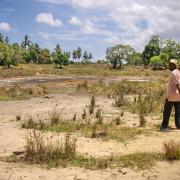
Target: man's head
x,y
172,64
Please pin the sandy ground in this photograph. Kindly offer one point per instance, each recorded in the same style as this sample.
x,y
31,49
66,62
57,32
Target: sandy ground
x,y
163,171
12,138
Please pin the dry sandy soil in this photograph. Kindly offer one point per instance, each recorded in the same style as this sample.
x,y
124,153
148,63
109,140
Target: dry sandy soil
x,y
12,138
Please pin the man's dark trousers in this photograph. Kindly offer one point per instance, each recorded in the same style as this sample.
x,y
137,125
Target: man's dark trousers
x,y
167,113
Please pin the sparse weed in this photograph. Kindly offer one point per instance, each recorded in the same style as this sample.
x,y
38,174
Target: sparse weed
x,y
41,149
74,117
119,100
18,117
118,121
172,150
55,116
98,133
99,116
92,105
84,114
29,124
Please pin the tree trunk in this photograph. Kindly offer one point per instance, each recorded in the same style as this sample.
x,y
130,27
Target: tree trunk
x,y
114,64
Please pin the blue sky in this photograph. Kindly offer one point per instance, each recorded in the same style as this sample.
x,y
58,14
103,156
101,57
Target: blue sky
x,y
93,25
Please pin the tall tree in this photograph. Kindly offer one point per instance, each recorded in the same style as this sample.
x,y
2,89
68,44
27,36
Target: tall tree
x,y
1,38
115,55
136,59
74,55
153,48
44,56
79,53
85,55
7,40
59,57
90,56
172,49
26,42
9,55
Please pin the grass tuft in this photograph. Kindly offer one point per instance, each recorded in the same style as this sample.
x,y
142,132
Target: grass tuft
x,y
41,149
172,150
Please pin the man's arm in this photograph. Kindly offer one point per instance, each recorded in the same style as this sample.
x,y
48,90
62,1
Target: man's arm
x,y
175,81
178,87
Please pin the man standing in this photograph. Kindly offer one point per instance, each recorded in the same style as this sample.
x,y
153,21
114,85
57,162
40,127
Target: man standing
x,y
173,97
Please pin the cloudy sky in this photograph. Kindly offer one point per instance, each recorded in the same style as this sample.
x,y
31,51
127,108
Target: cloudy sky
x,y
93,25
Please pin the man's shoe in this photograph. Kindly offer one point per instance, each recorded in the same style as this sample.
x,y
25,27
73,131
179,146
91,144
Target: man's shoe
x,y
164,129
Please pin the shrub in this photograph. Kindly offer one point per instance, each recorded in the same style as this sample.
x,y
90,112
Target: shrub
x,y
172,150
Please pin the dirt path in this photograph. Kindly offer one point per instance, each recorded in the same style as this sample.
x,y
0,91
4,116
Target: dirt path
x,y
61,79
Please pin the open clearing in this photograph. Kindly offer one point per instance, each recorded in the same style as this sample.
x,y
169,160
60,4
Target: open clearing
x,y
71,104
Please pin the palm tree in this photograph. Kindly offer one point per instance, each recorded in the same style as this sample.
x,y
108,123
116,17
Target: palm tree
x,y
1,38
79,53
37,47
7,40
90,56
26,43
74,54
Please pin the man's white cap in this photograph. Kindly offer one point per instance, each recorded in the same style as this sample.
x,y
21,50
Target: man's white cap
x,y
173,61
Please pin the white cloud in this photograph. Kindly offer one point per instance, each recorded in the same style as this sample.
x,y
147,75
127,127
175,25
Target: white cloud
x,y
113,40
5,26
50,1
89,27
75,21
156,17
161,16
48,18
67,36
7,9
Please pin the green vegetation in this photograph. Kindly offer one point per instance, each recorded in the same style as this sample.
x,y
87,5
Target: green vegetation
x,y
137,97
159,50
156,51
59,57
106,131
140,160
118,53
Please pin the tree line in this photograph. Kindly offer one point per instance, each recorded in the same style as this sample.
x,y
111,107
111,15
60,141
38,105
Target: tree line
x,y
29,52
158,51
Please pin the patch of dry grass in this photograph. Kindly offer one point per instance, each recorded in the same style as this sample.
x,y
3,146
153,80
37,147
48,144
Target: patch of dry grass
x,y
18,92
42,149
80,69
97,130
172,150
